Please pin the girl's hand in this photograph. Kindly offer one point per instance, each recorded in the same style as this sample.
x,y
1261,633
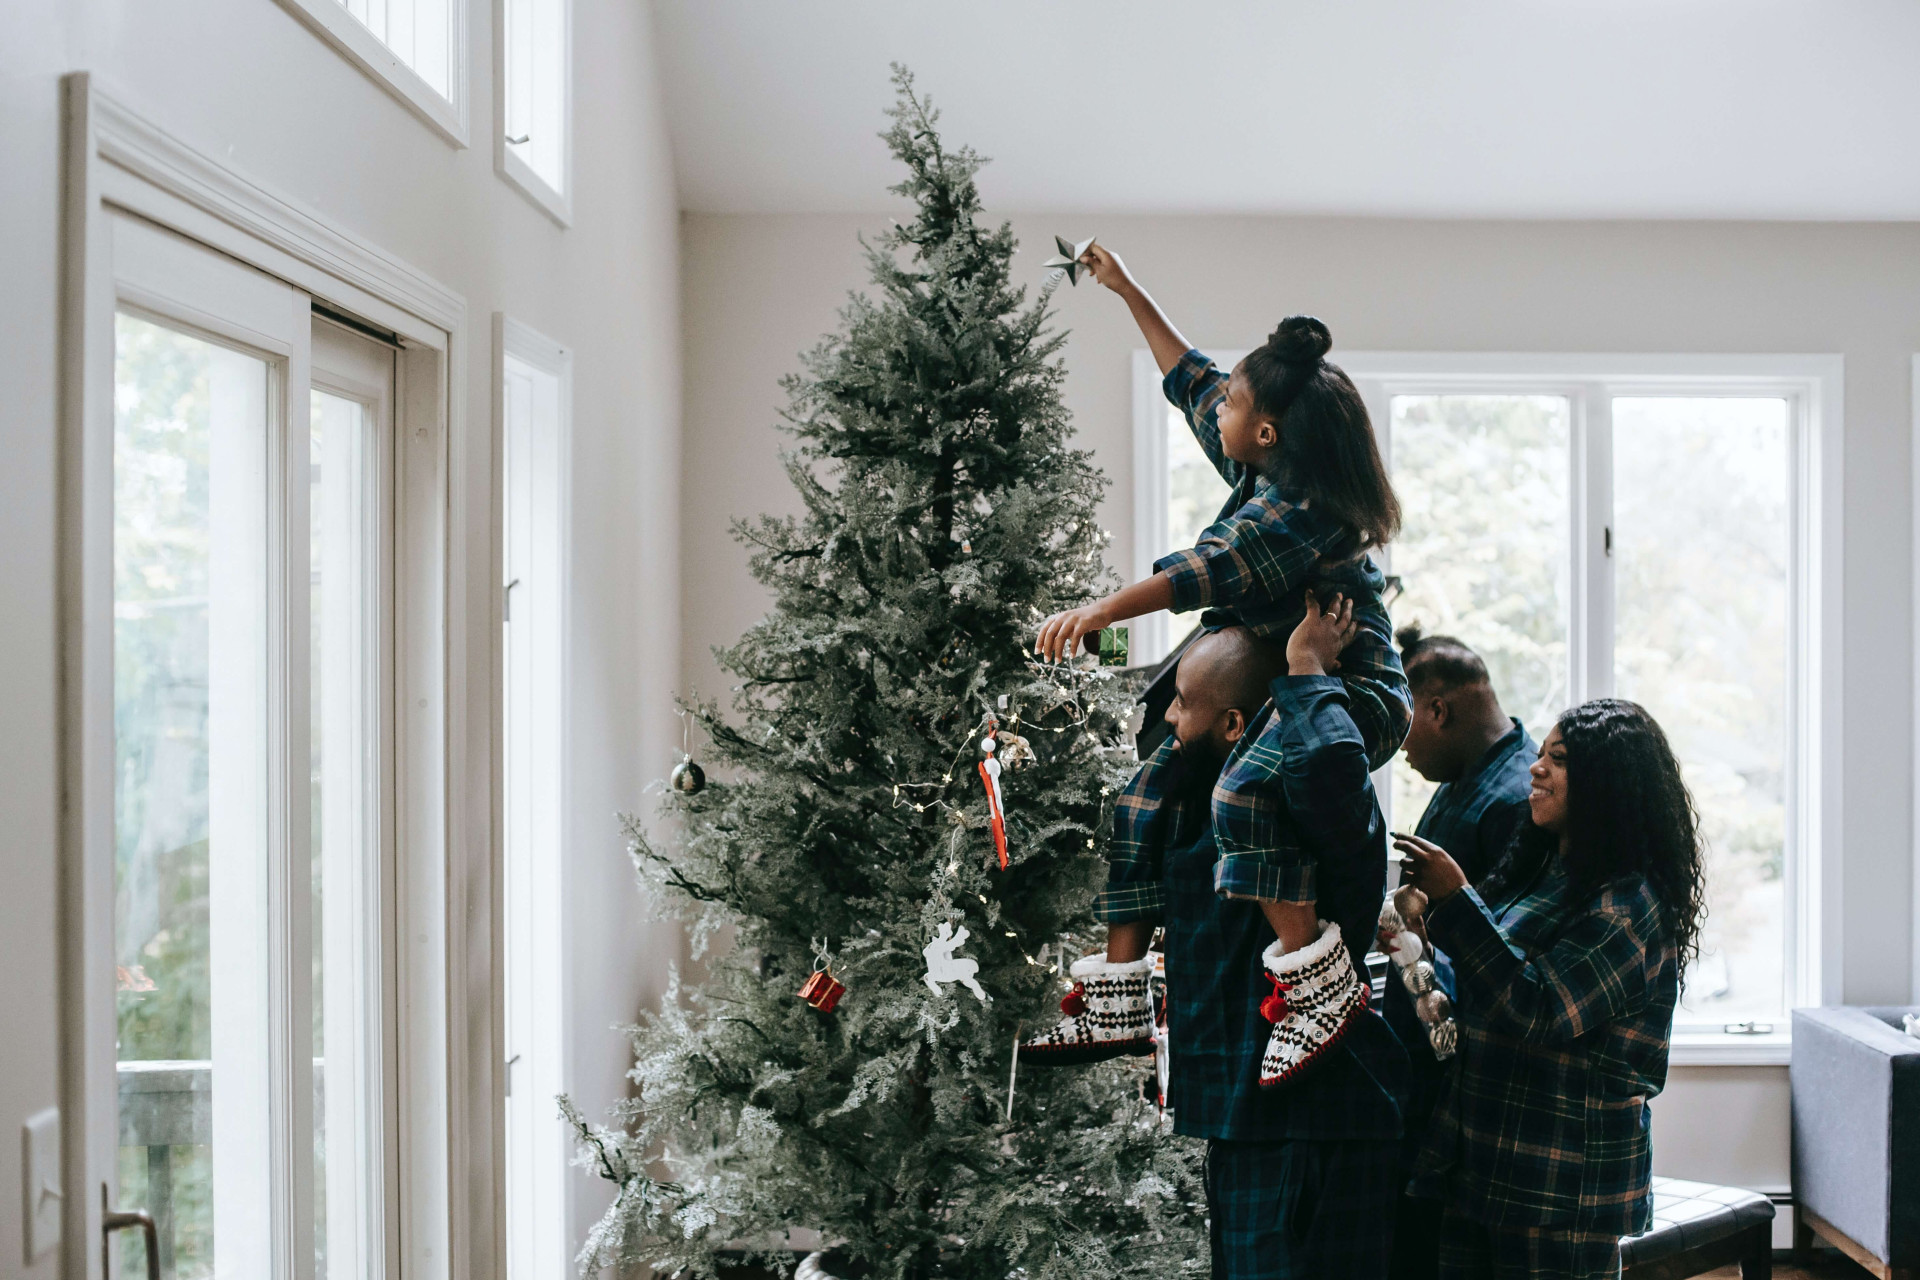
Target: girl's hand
x,y
1060,633
1429,868
1314,647
1107,268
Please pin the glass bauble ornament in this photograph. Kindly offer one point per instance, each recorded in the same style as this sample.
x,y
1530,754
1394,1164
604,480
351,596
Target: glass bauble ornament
x,y
688,778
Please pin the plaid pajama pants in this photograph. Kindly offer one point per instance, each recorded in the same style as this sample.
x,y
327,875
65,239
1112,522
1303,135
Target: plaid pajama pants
x,y
1469,1251
1302,1208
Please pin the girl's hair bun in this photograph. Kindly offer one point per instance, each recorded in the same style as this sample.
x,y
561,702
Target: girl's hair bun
x,y
1301,340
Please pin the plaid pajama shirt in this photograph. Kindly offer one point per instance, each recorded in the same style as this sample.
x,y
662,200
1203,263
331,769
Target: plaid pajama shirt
x,y
1265,548
1250,569
1566,1013
1473,819
1215,980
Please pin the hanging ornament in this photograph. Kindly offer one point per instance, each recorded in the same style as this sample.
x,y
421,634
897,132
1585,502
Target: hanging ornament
x,y
1398,914
688,778
990,778
1014,749
944,966
822,990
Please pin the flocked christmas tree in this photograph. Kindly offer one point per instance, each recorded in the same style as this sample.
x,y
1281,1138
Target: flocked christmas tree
x,y
849,825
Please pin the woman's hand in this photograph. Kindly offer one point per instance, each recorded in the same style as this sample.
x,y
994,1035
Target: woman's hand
x,y
1314,647
1060,633
1429,868
1106,267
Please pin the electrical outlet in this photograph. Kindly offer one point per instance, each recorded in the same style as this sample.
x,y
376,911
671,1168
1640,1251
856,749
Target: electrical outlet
x,y
40,1156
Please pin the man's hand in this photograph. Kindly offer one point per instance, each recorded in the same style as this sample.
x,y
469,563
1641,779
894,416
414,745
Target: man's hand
x,y
1106,267
1429,868
1060,633
1314,647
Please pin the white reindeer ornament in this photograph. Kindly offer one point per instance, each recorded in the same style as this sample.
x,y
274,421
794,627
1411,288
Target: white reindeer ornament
x,y
944,966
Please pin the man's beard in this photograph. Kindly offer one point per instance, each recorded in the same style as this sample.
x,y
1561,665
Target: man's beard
x,y
1201,762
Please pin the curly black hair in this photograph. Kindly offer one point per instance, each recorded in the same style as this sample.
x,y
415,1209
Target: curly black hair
x,y
1628,813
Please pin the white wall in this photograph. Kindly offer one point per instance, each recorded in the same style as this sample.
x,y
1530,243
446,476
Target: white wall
x,y
759,288
244,81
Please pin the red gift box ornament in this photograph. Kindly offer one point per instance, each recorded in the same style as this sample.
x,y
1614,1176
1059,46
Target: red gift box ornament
x,y
822,990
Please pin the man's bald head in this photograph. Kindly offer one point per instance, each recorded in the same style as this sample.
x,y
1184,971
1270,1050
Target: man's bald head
x,y
1236,664
1221,682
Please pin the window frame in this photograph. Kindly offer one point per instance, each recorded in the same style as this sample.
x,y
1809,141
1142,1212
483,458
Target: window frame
x,y
121,164
445,114
1813,385
549,642
556,203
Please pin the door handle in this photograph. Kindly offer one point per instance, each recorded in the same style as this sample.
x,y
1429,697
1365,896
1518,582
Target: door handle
x,y
112,1220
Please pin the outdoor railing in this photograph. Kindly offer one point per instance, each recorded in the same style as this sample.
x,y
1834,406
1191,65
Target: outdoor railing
x,y
166,1104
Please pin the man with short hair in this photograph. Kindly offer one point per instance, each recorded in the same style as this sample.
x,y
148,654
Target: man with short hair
x,y
1301,1180
1462,739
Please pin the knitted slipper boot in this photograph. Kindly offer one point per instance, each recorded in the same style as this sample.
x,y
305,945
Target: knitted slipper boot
x,y
1316,996
1108,1016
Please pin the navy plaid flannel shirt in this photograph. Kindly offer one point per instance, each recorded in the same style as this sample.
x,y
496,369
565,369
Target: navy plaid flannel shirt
x,y
1265,548
1215,981
1473,819
1566,1017
1250,568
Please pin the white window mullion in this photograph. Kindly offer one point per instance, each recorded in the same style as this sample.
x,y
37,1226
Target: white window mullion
x,y
290,879
1590,645
241,966
535,391
1151,635
352,403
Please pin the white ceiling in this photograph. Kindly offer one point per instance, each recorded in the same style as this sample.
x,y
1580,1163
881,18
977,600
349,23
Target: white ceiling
x,y
1456,108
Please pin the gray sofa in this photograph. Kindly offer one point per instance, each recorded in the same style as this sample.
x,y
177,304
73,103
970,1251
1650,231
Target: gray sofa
x,y
1856,1136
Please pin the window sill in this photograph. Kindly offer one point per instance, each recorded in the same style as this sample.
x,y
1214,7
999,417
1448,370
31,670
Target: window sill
x,y
519,174
331,21
1718,1049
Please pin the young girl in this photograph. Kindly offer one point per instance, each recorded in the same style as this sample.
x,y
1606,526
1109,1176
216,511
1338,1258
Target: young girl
x,y
1310,497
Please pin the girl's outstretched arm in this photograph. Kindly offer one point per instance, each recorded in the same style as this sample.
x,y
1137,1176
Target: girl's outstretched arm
x,y
1167,343
1061,632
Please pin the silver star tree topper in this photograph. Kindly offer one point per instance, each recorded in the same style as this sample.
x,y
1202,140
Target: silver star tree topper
x,y
1067,262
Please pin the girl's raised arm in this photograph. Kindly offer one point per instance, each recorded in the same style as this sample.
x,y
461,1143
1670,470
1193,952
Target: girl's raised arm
x,y
1167,343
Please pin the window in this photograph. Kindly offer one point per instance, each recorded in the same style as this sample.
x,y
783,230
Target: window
x,y
534,390
1661,529
257,899
535,101
415,48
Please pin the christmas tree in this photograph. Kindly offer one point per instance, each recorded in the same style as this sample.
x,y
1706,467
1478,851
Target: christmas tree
x,y
849,827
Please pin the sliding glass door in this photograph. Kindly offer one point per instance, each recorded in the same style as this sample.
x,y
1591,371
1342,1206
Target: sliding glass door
x,y
251,812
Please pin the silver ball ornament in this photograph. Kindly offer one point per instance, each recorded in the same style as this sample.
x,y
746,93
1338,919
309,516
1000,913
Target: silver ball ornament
x,y
688,778
1433,1007
1418,977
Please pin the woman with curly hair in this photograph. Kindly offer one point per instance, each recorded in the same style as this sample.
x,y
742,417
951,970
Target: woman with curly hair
x,y
1568,961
